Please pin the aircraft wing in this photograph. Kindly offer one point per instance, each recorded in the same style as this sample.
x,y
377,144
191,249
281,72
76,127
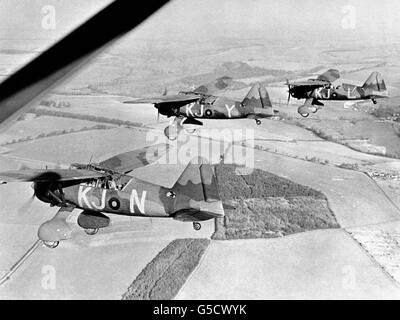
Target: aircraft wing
x,y
43,175
309,83
128,161
214,86
192,96
167,99
330,76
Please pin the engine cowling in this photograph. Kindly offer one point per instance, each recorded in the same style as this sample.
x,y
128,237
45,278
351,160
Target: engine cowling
x,y
47,192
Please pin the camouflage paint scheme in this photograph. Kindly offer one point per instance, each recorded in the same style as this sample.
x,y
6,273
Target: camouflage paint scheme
x,y
101,188
323,88
202,103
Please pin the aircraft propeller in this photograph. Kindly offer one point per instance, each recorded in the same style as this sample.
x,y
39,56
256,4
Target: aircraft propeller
x,y
290,87
165,92
288,84
26,206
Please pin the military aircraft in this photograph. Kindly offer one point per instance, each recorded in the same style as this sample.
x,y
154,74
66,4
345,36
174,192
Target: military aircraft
x,y
323,88
111,187
188,106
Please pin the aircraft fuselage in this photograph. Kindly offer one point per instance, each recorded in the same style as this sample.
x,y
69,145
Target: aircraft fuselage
x,y
220,108
340,93
136,198
349,92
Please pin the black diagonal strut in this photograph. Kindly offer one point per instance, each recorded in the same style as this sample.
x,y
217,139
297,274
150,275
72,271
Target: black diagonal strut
x,y
59,62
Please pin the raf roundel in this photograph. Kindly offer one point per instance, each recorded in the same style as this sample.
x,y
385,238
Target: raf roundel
x,y
114,203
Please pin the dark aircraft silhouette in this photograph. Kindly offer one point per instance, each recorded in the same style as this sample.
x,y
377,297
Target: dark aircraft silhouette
x,y
111,187
322,88
188,106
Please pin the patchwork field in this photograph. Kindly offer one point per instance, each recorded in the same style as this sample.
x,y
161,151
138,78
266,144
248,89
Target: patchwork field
x,y
163,277
36,127
310,178
371,135
85,145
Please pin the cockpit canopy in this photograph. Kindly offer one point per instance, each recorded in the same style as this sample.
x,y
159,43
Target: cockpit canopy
x,y
92,167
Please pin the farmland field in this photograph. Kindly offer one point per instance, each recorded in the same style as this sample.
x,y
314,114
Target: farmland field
x,y
85,145
33,126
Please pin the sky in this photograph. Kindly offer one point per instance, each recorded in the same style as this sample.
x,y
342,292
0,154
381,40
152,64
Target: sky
x,y
23,19
211,18
283,18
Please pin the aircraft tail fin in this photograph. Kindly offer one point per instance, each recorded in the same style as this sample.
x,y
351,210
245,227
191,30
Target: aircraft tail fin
x,y
197,195
257,97
375,83
198,181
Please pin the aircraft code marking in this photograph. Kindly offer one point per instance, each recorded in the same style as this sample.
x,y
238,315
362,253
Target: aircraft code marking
x,y
134,199
103,201
139,203
319,93
200,113
349,95
229,110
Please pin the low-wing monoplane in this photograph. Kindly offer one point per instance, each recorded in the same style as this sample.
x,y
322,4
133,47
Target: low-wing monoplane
x,y
325,88
188,106
111,187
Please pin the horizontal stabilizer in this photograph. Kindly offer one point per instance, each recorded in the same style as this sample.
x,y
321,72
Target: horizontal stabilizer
x,y
199,215
227,206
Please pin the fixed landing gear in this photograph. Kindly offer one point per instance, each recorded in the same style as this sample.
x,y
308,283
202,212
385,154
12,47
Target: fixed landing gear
x,y
306,109
374,101
91,232
170,136
190,131
171,132
196,226
258,122
51,244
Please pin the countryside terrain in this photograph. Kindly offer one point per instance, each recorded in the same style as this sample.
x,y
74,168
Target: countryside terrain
x,y
335,170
